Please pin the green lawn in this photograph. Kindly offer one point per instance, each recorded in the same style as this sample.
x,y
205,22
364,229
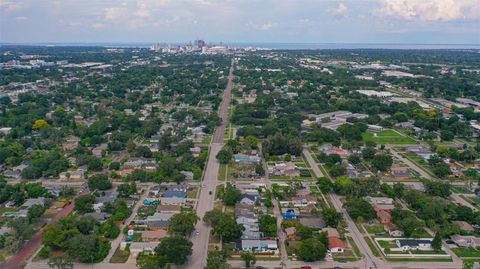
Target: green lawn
x,y
120,256
222,174
387,137
372,247
375,228
419,260
467,252
387,244
427,252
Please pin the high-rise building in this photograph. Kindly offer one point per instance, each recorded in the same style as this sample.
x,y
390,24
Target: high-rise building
x,y
199,43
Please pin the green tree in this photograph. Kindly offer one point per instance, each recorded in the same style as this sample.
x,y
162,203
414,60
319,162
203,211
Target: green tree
x,y
232,195
183,224
176,249
368,153
224,225
249,259
224,156
268,225
114,166
331,217
382,162
110,229
99,182
217,260
152,262
34,212
437,242
311,250
13,242
84,204
53,237
40,124
88,248
358,207
94,164
125,190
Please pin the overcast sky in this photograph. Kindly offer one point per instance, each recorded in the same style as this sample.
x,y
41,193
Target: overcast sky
x,y
292,21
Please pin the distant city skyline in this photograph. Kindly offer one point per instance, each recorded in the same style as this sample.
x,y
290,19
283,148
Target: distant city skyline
x,y
246,21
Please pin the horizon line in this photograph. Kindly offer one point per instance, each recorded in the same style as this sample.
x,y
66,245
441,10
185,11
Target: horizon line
x,y
231,42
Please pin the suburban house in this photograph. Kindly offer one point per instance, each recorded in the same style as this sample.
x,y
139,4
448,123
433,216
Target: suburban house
x,y
464,226
251,231
421,151
414,244
258,245
98,216
384,216
135,163
393,230
174,209
173,201
248,199
98,151
304,201
139,247
247,218
334,150
291,233
110,197
175,193
188,175
466,241
244,158
400,172
335,244
284,169
384,203
77,175
195,151
159,221
33,201
290,213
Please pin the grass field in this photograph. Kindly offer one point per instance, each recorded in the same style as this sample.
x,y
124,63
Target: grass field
x,y
466,252
120,256
387,137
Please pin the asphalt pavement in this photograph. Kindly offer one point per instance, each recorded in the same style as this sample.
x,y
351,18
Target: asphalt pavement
x,y
206,199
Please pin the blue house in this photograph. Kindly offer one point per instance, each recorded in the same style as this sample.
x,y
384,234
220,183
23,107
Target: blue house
x,y
290,213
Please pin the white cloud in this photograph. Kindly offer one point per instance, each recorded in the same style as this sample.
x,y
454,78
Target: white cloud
x,y
10,6
262,26
115,13
430,10
341,10
21,18
98,25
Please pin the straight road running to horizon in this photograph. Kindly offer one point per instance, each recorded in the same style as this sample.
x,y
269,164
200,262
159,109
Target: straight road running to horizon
x,y
206,199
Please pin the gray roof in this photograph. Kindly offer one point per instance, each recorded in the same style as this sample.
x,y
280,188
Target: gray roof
x,y
413,242
160,216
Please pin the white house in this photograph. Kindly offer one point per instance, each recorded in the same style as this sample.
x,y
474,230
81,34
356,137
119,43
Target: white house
x,y
414,244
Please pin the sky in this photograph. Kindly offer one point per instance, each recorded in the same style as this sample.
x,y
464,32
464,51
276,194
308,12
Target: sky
x,y
237,21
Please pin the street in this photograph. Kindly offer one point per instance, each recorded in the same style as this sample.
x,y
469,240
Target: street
x,y
206,199
21,257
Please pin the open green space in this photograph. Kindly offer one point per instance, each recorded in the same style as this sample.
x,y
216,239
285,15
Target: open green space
x,y
467,252
387,137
